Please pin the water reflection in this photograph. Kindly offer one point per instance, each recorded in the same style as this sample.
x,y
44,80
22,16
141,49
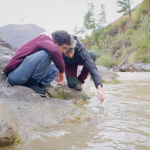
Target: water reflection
x,y
121,123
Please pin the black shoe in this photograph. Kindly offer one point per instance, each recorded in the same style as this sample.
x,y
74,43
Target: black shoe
x,y
38,90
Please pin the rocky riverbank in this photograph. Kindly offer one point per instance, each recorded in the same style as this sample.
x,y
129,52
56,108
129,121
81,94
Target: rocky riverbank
x,y
23,111
138,66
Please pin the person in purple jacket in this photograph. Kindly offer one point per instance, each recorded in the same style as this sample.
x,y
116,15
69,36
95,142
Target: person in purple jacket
x,y
31,64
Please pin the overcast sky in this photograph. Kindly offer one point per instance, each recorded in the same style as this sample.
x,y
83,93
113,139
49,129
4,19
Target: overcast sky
x,y
54,15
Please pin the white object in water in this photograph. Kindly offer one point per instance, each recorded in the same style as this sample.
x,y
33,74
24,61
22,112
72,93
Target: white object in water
x,y
97,102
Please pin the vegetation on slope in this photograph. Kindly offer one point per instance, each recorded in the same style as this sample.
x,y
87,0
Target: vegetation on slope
x,y
123,40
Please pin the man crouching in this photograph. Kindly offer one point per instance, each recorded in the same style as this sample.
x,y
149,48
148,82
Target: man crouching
x,y
75,56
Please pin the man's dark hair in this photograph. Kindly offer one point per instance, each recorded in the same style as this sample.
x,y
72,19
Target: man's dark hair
x,y
61,37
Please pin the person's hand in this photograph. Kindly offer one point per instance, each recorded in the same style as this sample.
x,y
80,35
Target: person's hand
x,y
60,78
100,93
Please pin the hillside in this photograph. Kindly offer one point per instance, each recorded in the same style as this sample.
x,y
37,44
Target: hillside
x,y
123,41
17,35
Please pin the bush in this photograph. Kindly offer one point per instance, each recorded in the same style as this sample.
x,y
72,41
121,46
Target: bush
x,y
96,49
135,25
106,61
144,47
118,53
110,30
96,34
145,58
115,46
129,32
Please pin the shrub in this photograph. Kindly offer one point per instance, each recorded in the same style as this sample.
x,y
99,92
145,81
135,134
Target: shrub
x,y
144,47
96,49
118,53
110,30
115,46
96,34
129,32
145,58
135,25
106,61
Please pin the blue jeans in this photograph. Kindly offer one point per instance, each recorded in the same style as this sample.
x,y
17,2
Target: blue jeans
x,y
36,66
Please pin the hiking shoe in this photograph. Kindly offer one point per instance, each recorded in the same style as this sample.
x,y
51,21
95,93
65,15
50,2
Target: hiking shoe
x,y
43,86
79,86
38,90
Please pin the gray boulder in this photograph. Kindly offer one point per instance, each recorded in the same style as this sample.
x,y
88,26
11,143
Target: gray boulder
x,y
23,111
107,75
6,131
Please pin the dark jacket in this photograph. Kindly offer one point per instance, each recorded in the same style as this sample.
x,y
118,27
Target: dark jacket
x,y
81,54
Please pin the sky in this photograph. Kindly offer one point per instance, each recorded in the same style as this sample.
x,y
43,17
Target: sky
x,y
53,15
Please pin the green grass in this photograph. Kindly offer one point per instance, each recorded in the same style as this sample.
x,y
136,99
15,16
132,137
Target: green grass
x,y
17,139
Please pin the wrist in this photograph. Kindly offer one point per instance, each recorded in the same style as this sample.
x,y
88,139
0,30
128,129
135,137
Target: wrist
x,y
99,87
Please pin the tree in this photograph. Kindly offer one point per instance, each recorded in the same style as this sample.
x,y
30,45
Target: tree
x,y
125,7
89,21
93,22
76,31
102,16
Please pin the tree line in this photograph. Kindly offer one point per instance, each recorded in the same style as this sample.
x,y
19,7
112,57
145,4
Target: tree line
x,y
94,22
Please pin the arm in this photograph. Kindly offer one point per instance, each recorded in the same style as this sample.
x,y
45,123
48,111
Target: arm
x,y
56,57
90,65
100,93
54,53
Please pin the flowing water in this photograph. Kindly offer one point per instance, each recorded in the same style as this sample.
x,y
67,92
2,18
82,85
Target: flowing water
x,y
122,122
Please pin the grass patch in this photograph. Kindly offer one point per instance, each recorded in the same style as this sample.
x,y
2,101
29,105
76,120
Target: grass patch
x,y
17,139
84,96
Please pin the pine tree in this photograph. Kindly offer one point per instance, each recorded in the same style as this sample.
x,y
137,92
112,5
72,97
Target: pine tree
x,y
89,21
76,31
102,16
125,7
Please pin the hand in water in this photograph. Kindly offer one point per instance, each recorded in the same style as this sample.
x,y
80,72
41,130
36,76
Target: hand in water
x,y
60,78
100,93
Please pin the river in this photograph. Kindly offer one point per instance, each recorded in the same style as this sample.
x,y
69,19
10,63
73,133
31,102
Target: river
x,y
122,122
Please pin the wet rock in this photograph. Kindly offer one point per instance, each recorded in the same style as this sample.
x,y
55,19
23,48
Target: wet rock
x,y
65,93
137,66
25,111
6,132
28,111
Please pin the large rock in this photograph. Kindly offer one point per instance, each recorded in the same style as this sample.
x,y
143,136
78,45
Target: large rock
x,y
107,75
6,53
26,111
65,93
23,111
137,66
6,131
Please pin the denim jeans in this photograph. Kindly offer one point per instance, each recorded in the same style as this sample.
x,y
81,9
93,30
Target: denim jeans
x,y
37,66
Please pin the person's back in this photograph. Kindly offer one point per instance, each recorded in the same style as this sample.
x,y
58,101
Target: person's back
x,y
30,66
25,50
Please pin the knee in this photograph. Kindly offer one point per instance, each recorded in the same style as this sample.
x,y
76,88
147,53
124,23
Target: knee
x,y
93,55
72,81
44,53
